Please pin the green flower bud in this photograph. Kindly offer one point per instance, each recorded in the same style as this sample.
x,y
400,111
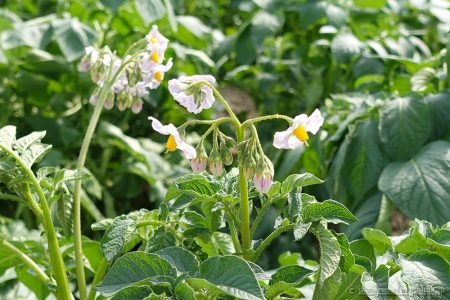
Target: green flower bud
x,y
226,154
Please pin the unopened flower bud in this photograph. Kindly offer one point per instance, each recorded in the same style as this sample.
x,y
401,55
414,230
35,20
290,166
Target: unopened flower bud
x,y
262,181
136,107
215,163
198,164
263,177
226,154
230,142
109,102
94,98
248,172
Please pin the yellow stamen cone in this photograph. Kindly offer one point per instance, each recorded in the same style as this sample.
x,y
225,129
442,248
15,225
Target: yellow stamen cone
x,y
301,133
171,143
158,76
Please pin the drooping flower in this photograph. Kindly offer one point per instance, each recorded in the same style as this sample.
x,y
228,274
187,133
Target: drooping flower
x,y
296,135
139,72
155,38
263,178
153,79
263,181
174,141
198,164
215,162
189,94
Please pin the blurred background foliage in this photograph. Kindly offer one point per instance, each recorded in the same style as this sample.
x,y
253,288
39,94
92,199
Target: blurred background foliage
x,y
377,69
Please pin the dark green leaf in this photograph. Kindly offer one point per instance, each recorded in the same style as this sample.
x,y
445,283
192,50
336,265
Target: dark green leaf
x,y
183,260
299,181
376,285
329,251
133,268
420,186
228,275
404,127
329,210
113,242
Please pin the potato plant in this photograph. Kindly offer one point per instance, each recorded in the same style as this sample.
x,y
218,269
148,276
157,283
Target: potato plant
x,y
200,243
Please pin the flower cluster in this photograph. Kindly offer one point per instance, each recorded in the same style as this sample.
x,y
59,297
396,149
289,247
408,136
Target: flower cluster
x,y
196,93
130,78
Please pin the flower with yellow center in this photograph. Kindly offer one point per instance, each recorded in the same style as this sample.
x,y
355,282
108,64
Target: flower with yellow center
x,y
297,135
174,141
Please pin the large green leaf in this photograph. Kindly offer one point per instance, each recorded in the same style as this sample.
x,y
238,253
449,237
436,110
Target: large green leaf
x,y
345,47
113,242
378,239
150,11
330,210
73,37
229,275
330,251
364,160
183,260
194,185
133,293
133,268
420,186
285,278
404,127
161,239
426,274
299,181
439,105
376,285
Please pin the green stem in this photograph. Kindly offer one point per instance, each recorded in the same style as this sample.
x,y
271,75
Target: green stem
x,y
205,122
233,232
101,270
56,259
269,239
386,209
77,193
224,102
29,262
245,211
265,118
33,205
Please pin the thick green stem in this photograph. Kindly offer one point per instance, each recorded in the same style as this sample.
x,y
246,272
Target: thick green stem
x,y
29,262
245,210
101,270
269,239
56,260
79,260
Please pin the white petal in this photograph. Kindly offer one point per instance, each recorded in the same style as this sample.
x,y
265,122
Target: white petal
x,y
281,139
314,122
188,151
300,120
176,86
164,129
294,142
208,99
